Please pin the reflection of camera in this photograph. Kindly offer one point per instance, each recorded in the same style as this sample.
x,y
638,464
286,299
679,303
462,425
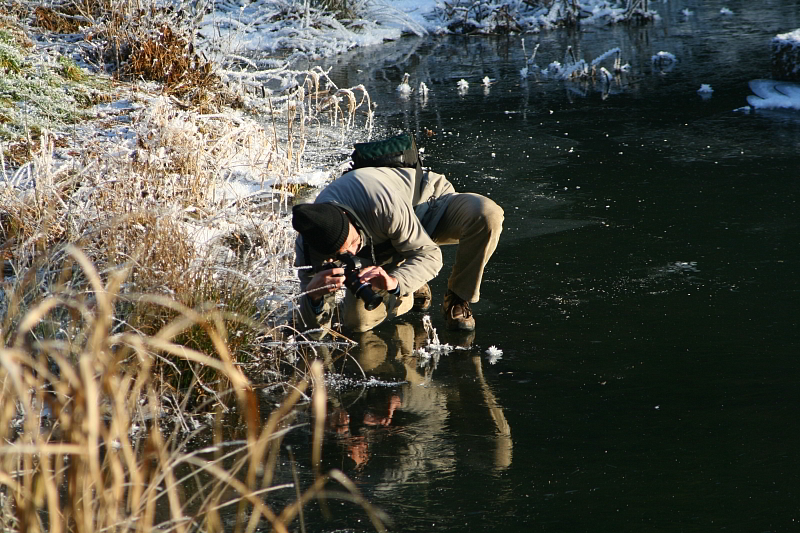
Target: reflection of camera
x,y
352,266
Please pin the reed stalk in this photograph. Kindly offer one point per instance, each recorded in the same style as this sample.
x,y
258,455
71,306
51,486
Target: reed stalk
x,y
142,293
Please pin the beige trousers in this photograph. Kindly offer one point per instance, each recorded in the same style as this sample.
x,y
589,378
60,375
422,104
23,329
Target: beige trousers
x,y
472,221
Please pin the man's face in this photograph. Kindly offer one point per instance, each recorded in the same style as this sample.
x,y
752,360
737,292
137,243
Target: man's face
x,y
353,242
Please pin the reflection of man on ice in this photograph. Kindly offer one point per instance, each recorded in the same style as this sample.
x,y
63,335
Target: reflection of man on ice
x,y
394,219
416,418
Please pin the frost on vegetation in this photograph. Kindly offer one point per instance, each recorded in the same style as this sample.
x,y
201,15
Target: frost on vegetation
x,y
301,101
574,69
214,183
340,383
664,61
39,90
432,348
37,97
792,37
307,30
11,58
663,58
530,16
404,88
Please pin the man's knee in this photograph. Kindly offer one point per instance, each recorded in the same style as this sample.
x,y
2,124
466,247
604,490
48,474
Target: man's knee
x,y
493,215
356,317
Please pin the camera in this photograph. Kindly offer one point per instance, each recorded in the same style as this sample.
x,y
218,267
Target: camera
x,y
352,266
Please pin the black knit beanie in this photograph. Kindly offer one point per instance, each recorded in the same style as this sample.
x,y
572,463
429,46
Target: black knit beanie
x,y
323,226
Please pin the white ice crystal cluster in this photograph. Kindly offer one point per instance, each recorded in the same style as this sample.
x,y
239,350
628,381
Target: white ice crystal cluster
x,y
494,353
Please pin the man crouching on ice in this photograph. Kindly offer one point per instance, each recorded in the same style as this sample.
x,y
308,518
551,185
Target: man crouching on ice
x,y
394,220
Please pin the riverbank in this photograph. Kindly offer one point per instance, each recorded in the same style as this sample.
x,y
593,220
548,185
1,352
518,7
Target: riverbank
x,y
147,267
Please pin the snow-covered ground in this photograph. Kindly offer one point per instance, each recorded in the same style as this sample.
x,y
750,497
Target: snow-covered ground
x,y
254,28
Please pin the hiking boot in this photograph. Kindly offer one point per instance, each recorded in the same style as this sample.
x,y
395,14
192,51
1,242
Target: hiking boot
x,y
422,298
463,339
457,313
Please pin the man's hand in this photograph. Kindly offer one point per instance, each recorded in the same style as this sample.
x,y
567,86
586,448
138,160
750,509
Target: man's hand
x,y
378,278
324,282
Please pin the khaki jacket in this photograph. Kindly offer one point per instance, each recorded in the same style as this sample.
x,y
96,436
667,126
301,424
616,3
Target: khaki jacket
x,y
396,216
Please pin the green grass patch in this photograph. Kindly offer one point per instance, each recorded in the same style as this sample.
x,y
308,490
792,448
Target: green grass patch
x,y
35,98
11,59
70,70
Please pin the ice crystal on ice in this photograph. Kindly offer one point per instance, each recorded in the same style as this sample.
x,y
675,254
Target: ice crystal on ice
x,y
423,89
494,353
663,58
404,88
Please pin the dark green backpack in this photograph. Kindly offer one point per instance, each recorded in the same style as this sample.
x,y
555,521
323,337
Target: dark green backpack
x,y
399,151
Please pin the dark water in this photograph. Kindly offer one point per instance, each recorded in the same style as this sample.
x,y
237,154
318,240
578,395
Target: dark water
x,y
644,292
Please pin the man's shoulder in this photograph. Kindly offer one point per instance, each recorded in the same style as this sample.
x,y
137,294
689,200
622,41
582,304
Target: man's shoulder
x,y
371,180
376,173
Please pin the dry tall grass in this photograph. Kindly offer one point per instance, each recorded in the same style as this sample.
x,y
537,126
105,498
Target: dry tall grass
x,y
139,291
146,262
78,460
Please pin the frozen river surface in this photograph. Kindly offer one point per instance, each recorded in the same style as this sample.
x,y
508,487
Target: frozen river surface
x,y
644,294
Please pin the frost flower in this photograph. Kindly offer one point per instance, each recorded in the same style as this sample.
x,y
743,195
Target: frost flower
x,y
663,57
705,91
494,353
404,88
423,89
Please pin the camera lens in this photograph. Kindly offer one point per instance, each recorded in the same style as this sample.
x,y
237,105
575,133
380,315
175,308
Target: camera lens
x,y
352,265
371,300
363,291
